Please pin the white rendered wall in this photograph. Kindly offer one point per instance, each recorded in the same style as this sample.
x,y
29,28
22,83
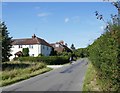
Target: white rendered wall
x,y
35,51
32,51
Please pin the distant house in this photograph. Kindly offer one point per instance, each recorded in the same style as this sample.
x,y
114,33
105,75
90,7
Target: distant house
x,y
36,46
60,47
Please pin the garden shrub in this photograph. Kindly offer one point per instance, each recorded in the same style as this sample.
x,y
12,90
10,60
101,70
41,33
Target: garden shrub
x,y
25,52
50,60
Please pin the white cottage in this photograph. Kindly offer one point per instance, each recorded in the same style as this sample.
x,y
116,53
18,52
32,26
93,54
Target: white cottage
x,y
36,46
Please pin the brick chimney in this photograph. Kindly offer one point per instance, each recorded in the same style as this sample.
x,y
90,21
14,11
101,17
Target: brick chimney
x,y
34,36
61,42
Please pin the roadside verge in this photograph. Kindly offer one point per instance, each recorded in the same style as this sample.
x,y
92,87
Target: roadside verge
x,y
90,81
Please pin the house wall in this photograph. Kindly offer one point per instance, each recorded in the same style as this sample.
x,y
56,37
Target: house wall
x,y
45,50
34,50
14,49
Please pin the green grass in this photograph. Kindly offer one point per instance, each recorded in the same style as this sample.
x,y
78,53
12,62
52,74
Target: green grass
x,y
90,81
19,72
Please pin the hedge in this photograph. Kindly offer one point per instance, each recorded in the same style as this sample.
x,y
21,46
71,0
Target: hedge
x,y
49,60
105,56
82,52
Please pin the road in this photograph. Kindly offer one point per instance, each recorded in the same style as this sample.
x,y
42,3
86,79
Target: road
x,y
67,78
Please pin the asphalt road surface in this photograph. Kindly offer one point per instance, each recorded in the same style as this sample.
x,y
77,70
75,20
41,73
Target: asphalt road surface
x,y
67,78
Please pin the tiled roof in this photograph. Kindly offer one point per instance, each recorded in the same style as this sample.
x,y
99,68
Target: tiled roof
x,y
61,47
30,41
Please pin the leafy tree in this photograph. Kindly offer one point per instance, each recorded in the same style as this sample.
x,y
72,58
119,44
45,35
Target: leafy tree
x,y
115,18
72,47
6,42
25,52
64,54
82,52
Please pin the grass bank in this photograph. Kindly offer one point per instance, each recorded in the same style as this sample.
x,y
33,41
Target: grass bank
x,y
18,71
91,81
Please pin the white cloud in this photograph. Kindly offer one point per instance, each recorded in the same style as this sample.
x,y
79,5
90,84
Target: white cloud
x,y
74,19
44,14
67,20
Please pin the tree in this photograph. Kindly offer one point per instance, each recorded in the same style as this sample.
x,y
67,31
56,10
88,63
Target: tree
x,y
82,52
117,5
6,42
53,52
115,18
72,47
25,52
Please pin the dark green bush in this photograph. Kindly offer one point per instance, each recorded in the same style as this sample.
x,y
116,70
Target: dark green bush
x,y
25,52
40,55
64,54
105,56
82,52
50,60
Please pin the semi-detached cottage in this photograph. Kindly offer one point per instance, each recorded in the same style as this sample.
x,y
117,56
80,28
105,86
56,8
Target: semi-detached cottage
x,y
36,46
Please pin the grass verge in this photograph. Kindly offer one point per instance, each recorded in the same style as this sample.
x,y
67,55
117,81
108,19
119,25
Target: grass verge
x,y
90,81
13,75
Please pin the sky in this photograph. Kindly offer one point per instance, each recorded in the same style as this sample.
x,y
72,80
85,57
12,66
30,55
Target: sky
x,y
73,22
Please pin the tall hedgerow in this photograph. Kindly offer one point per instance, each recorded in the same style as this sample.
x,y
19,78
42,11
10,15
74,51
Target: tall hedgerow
x,y
105,56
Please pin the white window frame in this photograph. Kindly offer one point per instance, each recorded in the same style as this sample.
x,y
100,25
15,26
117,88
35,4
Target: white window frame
x,y
31,46
19,46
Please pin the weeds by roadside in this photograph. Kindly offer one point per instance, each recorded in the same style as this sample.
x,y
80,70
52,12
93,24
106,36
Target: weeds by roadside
x,y
19,72
90,81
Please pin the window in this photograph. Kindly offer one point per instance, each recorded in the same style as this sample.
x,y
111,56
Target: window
x,y
30,46
33,55
20,46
